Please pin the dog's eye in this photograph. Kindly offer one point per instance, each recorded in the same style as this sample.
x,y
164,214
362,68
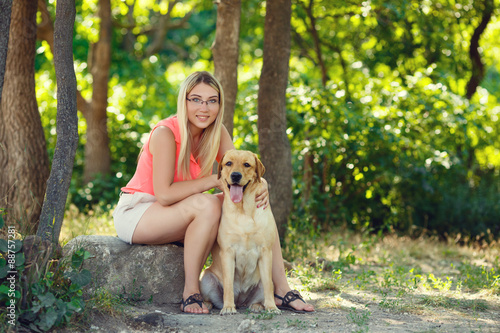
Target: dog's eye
x,y
247,165
229,163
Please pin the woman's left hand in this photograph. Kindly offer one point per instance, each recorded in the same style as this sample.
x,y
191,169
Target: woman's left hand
x,y
262,197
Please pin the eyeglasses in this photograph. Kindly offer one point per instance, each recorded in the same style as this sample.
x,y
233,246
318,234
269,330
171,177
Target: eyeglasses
x,y
198,101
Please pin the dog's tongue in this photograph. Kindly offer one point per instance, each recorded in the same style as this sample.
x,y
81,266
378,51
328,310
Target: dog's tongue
x,y
236,193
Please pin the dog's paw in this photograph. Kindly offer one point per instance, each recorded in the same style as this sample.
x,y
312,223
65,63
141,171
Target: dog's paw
x,y
256,307
273,310
228,310
209,305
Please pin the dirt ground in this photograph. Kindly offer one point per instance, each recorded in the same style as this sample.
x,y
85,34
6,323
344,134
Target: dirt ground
x,y
349,311
361,284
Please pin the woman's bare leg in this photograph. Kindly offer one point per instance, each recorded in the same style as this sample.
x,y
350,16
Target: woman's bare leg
x,y
281,286
195,221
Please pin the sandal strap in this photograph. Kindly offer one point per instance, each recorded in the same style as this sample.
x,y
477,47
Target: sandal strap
x,y
289,297
194,298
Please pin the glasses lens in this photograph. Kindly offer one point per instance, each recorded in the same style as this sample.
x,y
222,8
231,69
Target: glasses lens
x,y
200,102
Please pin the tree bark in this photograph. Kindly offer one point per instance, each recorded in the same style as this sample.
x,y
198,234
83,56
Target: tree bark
x,y
5,10
475,56
307,178
24,163
226,52
272,124
97,154
67,124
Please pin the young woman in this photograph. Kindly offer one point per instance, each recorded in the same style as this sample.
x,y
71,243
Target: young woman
x,y
165,202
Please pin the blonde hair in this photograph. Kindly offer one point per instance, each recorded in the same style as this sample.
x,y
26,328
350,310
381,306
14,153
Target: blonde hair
x,y
210,139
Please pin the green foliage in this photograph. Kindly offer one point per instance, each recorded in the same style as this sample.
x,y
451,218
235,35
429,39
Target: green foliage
x,y
11,265
387,276
264,315
103,192
402,159
382,138
475,277
360,318
132,296
56,296
44,299
448,302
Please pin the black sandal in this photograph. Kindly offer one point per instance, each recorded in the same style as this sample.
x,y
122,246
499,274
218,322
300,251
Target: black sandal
x,y
289,297
194,298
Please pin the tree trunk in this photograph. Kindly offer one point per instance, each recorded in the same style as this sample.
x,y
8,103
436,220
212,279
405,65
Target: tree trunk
x,y
475,56
24,161
272,124
5,10
307,178
97,155
226,52
67,124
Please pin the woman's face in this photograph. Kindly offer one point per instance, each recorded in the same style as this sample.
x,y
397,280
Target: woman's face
x,y
202,106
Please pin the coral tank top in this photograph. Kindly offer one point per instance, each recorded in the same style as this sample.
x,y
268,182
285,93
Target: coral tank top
x,y
142,181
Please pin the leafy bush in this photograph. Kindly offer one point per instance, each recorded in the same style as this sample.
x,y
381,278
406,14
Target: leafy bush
x,y
103,191
40,301
409,159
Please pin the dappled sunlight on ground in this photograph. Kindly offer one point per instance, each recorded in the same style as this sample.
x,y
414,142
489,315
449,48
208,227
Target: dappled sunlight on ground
x,y
367,276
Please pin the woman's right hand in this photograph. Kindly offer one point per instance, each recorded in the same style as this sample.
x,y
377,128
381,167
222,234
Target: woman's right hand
x,y
217,182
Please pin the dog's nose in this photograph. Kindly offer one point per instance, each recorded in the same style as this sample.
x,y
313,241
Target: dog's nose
x,y
236,177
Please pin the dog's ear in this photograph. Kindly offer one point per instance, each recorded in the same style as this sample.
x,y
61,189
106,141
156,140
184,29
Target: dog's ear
x,y
219,168
259,168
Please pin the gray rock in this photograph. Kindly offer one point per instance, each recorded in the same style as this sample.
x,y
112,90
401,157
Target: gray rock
x,y
135,271
152,319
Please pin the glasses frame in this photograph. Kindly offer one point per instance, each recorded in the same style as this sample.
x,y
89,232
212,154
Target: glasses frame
x,y
202,101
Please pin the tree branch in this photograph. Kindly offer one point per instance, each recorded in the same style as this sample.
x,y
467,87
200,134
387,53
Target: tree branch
x,y
163,26
475,56
317,42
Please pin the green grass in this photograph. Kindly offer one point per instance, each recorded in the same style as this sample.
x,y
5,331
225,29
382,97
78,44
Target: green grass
x,y
96,222
398,274
359,317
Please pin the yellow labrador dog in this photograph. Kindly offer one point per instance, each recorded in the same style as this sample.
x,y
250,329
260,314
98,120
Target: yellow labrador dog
x,y
241,271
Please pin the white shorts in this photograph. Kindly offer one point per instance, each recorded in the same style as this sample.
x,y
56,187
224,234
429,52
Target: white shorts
x,y
129,211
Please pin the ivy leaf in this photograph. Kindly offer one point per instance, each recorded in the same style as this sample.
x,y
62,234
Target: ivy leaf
x,y
47,299
4,290
75,305
80,278
48,319
78,257
36,307
20,259
84,277
18,245
3,246
4,270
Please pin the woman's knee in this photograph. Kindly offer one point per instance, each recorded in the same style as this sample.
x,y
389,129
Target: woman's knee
x,y
207,206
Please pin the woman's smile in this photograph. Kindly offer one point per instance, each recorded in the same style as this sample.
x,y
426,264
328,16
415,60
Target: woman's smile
x,y
202,105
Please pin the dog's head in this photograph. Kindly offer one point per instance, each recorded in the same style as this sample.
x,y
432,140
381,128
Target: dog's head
x,y
239,171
